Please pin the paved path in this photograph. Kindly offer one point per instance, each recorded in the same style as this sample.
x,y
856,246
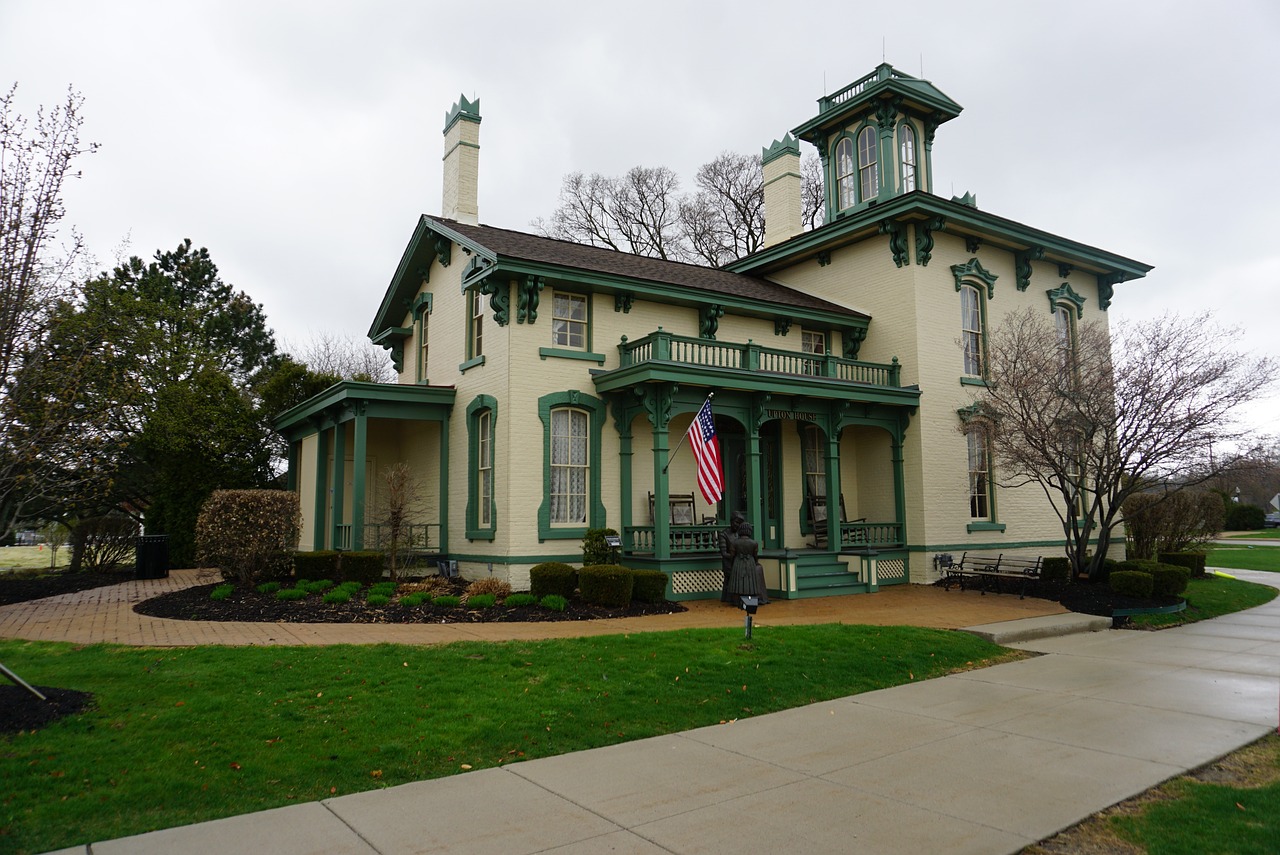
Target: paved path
x,y
106,614
983,762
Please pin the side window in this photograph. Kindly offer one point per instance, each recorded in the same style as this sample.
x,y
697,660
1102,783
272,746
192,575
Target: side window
x,y
1064,326
972,331
868,164
475,342
570,467
845,174
569,321
979,473
484,469
481,510
907,155
424,319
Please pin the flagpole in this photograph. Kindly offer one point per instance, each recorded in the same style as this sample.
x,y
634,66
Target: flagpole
x,y
685,435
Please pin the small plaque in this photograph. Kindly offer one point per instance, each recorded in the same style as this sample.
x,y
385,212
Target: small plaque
x,y
613,541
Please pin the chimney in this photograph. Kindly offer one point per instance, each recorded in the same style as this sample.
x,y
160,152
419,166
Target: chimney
x,y
462,162
781,162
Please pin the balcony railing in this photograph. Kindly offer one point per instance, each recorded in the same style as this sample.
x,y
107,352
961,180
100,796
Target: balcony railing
x,y
415,537
662,346
884,72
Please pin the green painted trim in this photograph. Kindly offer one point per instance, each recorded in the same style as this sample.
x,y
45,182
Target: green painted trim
x,y
380,400
968,545
561,353
966,380
319,505
984,526
596,413
1064,293
471,363
506,560
787,145
460,144
481,404
462,110
338,483
971,270
1154,610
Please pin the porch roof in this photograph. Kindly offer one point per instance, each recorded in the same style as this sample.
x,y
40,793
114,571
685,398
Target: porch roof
x,y
348,399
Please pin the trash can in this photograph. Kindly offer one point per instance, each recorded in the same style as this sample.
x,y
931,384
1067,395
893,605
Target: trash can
x,y
152,556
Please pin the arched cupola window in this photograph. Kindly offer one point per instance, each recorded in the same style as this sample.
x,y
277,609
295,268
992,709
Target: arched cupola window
x,y
868,164
845,174
907,156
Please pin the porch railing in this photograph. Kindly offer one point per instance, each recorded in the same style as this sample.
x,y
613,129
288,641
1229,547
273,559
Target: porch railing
x,y
662,346
701,539
418,537
879,534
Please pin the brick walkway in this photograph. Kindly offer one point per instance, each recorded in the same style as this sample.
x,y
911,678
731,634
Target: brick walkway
x,y
106,615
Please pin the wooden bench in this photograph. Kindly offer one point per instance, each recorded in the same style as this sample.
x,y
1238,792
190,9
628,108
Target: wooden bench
x,y
987,571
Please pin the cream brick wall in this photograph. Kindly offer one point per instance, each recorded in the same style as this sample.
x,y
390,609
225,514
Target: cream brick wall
x,y
460,192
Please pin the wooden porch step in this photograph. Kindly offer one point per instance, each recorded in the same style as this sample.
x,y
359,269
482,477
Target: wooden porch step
x,y
821,575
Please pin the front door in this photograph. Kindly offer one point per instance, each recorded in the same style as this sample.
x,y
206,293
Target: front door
x,y
770,536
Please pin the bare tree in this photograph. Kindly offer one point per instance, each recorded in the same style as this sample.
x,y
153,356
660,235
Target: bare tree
x,y
1092,429
644,212
813,200
37,391
344,356
400,495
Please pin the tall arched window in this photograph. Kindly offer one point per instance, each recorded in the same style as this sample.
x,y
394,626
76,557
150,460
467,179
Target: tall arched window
x,y
971,330
1064,324
907,153
868,164
845,173
570,461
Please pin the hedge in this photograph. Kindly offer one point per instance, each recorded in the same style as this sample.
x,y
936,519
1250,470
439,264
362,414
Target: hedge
x,y
1169,580
320,564
552,577
363,567
1193,561
650,586
248,534
1056,569
1131,583
608,585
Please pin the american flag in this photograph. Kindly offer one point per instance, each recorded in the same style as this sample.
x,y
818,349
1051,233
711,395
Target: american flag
x,y
706,451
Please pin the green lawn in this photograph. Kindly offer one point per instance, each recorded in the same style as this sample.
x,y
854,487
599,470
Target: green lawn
x,y
30,557
1245,557
1264,534
181,736
1211,597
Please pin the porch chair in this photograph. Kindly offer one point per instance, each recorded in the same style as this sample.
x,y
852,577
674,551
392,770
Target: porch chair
x,y
681,507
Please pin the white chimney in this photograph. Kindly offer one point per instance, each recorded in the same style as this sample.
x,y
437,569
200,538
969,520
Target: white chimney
x,y
462,162
782,184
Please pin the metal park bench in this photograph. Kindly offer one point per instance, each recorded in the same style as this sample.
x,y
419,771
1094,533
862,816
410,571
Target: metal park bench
x,y
984,571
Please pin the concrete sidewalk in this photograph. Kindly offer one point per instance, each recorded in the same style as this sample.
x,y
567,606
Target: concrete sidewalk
x,y
987,761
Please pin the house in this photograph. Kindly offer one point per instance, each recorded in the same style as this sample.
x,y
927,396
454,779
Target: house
x,y
544,386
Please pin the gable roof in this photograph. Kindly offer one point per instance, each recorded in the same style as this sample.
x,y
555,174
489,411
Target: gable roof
x,y
603,269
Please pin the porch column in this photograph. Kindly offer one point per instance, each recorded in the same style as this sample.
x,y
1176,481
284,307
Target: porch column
x,y
899,485
338,488
661,495
291,475
320,523
358,475
754,488
834,533
443,502
624,479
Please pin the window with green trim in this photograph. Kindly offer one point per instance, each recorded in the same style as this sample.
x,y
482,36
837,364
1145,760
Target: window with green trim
x,y
845,173
868,164
475,326
1065,328
569,321
482,416
813,341
907,156
570,466
972,330
980,504
423,325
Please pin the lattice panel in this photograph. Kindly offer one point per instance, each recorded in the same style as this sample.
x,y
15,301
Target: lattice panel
x,y
696,581
891,571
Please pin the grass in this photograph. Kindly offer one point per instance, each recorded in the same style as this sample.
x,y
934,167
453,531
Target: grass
x,y
186,735
31,558
1245,557
1211,597
1265,534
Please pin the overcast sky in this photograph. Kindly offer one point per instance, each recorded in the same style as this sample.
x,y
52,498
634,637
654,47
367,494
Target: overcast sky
x,y
299,142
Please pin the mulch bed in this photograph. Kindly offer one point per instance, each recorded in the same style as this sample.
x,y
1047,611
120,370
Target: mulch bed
x,y
246,604
20,589
20,710
1084,598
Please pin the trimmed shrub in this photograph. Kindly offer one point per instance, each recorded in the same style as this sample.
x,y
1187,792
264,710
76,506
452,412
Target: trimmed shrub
x,y
1131,583
413,600
554,602
516,600
320,564
319,586
245,534
1172,521
384,589
594,548
650,586
338,595
552,577
292,594
1055,569
500,588
221,592
481,601
268,587
1244,517
351,587
363,567
608,585
446,601
1193,561
1169,580
377,600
